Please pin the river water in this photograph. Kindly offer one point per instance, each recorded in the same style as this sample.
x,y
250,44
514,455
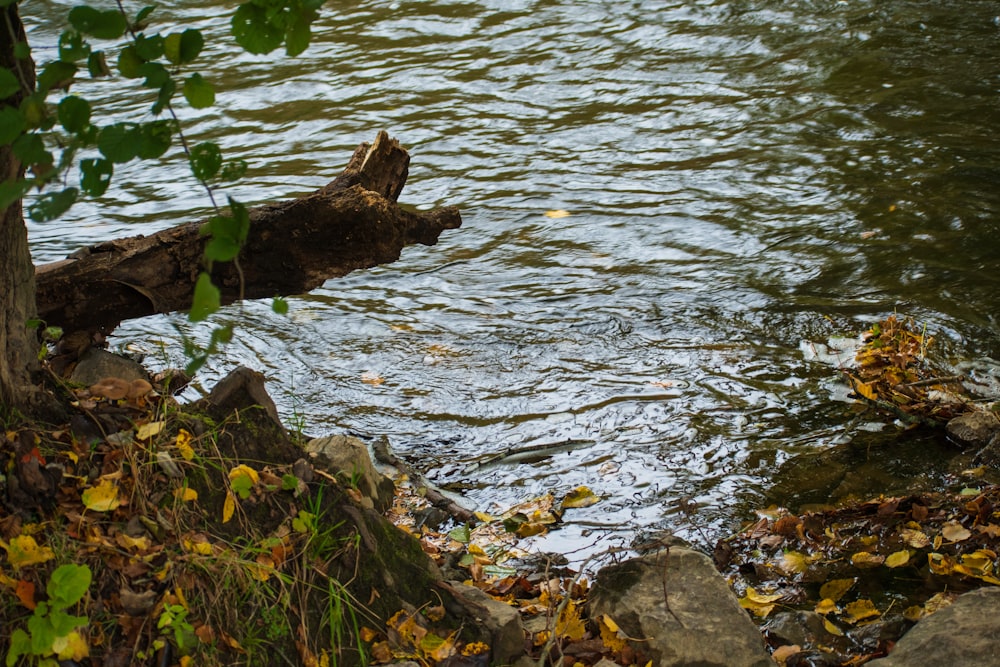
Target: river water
x,y
744,180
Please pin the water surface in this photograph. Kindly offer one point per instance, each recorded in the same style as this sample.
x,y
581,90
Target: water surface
x,y
744,180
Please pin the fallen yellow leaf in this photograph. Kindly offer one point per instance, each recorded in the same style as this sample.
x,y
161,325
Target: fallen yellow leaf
x,y
835,589
23,550
228,507
860,610
953,531
183,445
557,213
147,431
898,559
101,498
581,496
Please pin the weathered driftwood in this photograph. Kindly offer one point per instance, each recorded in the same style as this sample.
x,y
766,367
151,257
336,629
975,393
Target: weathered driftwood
x,y
352,223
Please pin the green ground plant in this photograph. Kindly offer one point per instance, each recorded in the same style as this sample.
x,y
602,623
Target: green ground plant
x,y
52,634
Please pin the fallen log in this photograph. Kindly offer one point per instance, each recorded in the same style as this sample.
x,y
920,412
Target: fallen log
x,y
354,222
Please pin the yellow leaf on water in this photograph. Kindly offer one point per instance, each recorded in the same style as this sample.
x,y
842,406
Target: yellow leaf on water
x,y
228,507
915,538
23,550
953,531
860,610
372,378
835,588
898,559
581,496
940,563
795,562
760,604
864,559
147,431
557,213
826,606
832,628
183,445
101,498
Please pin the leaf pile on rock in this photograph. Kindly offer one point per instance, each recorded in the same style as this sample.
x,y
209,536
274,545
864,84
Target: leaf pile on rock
x,y
893,374
852,580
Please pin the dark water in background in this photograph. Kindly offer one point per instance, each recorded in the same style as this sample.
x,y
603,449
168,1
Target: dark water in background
x,y
745,179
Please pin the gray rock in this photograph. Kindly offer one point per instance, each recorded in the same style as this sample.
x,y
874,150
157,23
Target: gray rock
x,y
973,429
97,364
682,609
348,459
966,633
502,621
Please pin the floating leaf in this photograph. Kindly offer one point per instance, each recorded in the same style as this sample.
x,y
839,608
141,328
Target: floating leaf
x,y
831,627
101,498
24,550
863,559
898,559
835,589
915,538
860,610
826,606
460,533
581,496
939,563
953,531
761,605
558,213
795,562
372,378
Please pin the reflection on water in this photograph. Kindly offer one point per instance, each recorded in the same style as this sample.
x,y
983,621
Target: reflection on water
x,y
741,176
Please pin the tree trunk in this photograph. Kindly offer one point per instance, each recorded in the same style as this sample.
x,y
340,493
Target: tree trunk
x,y
292,248
17,277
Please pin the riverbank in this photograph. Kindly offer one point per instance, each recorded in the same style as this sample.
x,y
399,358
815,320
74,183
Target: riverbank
x,y
145,531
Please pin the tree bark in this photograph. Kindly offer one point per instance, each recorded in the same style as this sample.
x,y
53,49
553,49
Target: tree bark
x,y
352,223
17,280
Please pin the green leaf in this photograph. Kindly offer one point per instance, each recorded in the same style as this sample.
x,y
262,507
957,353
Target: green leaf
x,y
461,534
242,218
199,93
20,644
109,24
42,634
143,14
298,35
206,300
35,113
72,47
95,176
234,170
8,83
279,305
129,63
12,124
11,191
221,249
155,73
183,47
74,113
154,139
63,624
206,160
289,482
67,585
97,65
254,31
55,75
164,96
30,149
149,48
118,142
51,206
